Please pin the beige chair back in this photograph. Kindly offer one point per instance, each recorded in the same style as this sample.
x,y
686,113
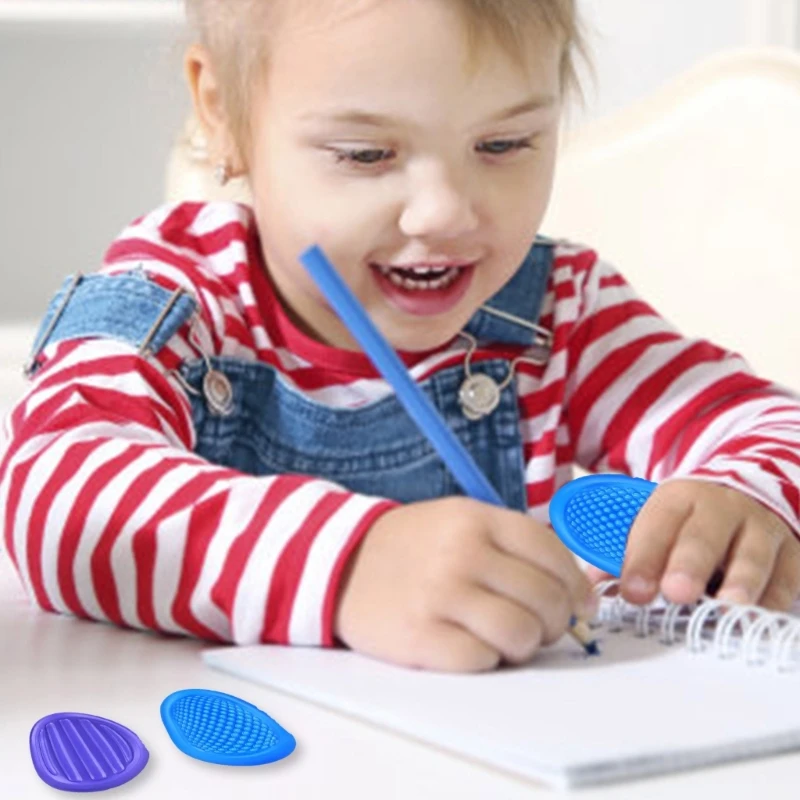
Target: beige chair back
x,y
695,196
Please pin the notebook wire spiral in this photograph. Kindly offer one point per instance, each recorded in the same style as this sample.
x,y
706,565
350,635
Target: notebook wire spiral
x,y
755,635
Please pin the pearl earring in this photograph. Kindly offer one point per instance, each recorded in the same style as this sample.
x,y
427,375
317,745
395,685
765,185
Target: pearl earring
x,y
222,173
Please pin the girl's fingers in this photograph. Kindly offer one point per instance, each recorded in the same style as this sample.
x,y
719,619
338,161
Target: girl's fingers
x,y
750,564
650,541
701,546
522,538
501,624
783,586
451,648
595,574
536,591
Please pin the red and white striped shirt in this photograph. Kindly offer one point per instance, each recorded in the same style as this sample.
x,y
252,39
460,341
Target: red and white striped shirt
x,y
108,513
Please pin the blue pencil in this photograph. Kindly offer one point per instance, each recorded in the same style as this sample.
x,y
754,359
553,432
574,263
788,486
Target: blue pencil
x,y
455,456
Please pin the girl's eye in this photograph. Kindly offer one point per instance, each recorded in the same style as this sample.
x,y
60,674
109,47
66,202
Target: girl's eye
x,y
376,155
500,147
366,157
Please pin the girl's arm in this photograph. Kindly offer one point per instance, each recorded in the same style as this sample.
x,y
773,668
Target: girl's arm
x,y
109,515
644,400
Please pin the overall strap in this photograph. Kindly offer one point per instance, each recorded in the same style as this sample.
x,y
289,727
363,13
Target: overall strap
x,y
129,307
511,315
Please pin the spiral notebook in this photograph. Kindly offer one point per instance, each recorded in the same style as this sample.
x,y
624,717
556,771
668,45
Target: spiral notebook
x,y
674,688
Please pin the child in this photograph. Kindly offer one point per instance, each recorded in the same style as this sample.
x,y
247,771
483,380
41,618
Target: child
x,y
204,451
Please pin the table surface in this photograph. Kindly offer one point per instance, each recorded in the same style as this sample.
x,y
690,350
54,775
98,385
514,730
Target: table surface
x,y
51,663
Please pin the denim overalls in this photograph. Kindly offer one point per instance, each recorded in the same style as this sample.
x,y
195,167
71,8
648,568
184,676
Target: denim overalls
x,y
247,418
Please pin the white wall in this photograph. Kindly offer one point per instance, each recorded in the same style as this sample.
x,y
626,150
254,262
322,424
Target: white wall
x,y
91,95
637,45
89,102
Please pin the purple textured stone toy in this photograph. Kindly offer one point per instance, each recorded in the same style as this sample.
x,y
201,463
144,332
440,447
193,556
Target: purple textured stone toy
x,y
82,753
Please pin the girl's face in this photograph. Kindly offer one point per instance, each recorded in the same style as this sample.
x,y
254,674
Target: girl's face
x,y
424,184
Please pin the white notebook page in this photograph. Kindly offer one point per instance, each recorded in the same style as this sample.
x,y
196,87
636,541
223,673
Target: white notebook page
x,y
639,708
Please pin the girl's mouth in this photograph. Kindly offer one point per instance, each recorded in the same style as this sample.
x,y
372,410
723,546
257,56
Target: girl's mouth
x,y
424,289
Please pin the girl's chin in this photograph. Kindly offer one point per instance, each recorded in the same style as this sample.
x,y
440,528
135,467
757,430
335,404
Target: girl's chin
x,y
409,339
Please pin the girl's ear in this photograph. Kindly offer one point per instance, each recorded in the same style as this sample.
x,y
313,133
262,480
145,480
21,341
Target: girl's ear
x,y
209,109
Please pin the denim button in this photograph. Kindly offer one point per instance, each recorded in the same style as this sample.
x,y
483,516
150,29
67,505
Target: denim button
x,y
218,392
478,396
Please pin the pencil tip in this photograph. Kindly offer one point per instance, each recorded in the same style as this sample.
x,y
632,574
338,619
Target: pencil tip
x,y
592,649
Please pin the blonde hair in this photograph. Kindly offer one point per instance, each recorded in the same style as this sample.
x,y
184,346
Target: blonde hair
x,y
236,34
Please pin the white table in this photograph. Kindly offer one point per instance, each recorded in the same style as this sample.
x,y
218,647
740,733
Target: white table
x,y
50,663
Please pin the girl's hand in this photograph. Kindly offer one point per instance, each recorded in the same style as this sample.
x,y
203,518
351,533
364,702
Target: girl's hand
x,y
688,529
458,585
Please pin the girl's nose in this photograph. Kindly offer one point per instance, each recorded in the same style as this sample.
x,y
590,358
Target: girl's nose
x,y
438,207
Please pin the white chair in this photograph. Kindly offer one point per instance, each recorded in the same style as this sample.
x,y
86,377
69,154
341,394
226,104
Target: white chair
x,y
694,194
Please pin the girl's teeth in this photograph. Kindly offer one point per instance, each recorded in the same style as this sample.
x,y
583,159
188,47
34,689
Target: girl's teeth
x,y
409,283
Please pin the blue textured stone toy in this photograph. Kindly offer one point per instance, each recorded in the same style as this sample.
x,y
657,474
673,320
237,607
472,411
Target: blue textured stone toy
x,y
593,515
222,729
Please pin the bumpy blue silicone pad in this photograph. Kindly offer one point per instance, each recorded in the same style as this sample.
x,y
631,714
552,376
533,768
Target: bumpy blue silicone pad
x,y
593,516
222,729
82,753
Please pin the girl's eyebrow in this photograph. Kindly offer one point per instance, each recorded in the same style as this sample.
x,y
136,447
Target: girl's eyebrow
x,y
358,117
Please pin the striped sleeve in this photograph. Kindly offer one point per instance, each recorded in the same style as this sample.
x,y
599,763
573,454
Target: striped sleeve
x,y
108,514
644,400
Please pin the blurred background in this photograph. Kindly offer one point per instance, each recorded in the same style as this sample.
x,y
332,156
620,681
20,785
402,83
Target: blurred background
x,y
92,97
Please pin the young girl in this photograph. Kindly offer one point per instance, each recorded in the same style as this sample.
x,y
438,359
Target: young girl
x,y
204,451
